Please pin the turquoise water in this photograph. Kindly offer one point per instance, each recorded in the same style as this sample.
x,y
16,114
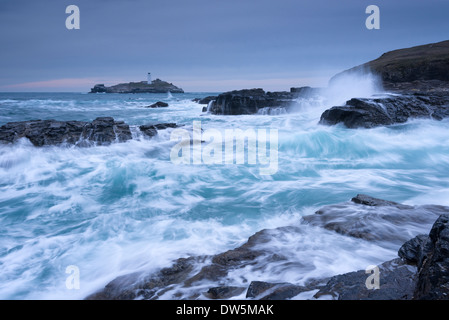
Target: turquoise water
x,y
112,210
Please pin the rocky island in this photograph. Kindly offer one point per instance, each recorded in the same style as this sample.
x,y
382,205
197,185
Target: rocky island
x,y
155,86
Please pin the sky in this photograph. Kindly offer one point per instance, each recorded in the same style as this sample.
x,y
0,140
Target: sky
x,y
203,45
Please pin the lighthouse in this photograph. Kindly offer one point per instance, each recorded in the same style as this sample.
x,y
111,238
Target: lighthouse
x,y
149,77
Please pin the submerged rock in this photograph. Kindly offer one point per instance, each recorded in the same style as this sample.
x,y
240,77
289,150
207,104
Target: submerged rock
x,y
377,220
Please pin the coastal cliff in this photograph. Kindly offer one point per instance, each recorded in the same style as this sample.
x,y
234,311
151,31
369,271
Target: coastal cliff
x,y
422,68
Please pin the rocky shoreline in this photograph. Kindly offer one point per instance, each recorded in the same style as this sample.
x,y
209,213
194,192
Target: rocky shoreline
x,y
100,132
419,272
416,78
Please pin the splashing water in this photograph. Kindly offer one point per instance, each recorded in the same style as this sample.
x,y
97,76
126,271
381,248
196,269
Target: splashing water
x,y
112,210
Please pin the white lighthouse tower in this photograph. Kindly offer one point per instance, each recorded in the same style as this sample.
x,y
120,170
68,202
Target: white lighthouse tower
x,y
149,77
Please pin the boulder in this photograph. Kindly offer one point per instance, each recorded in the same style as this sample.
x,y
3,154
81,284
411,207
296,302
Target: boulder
x,y
158,104
249,101
388,110
151,130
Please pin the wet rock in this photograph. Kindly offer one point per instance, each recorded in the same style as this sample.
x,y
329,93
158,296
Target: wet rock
x,y
433,276
274,291
249,101
256,288
140,285
421,272
224,292
205,100
239,257
374,202
151,130
369,112
412,250
101,131
305,91
375,219
158,104
397,281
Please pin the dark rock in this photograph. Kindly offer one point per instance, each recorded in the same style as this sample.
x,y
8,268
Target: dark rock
x,y
236,258
224,292
369,113
420,271
151,130
305,91
273,291
374,202
98,88
204,109
411,251
101,131
397,282
156,86
256,288
158,104
183,272
376,220
433,276
136,285
205,100
249,101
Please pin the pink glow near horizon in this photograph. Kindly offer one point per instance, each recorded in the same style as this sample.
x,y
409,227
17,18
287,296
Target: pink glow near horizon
x,y
189,85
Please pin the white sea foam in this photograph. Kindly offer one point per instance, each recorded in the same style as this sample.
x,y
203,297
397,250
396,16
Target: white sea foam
x,y
113,210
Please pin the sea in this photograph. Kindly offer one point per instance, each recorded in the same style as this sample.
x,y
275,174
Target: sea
x,y
107,211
